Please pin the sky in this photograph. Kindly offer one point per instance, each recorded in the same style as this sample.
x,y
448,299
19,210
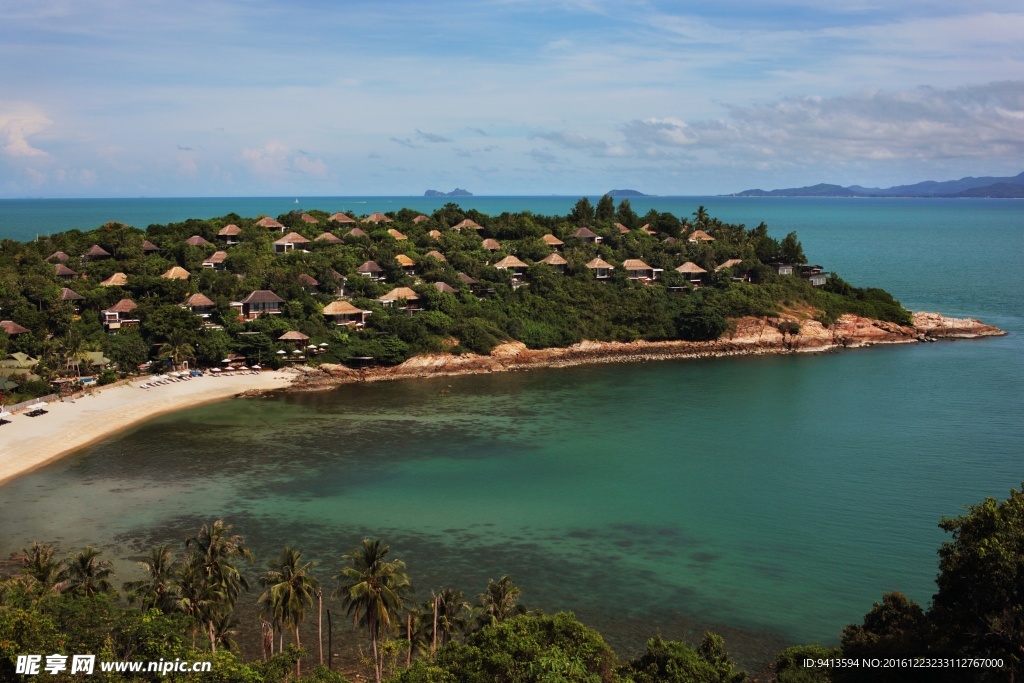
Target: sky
x,y
119,98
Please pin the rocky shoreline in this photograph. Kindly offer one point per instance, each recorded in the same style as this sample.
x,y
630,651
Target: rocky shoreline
x,y
748,336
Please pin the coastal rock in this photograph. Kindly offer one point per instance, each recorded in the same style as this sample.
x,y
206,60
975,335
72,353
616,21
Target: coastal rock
x,y
938,325
793,331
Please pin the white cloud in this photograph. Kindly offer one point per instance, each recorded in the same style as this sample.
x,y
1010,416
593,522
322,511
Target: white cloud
x,y
275,159
16,126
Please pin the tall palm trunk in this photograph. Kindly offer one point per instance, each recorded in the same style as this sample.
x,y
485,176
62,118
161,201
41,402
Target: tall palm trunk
x,y
298,660
376,655
320,623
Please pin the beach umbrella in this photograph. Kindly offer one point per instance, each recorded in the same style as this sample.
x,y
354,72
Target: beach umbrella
x,y
242,367
5,414
312,347
226,360
214,369
256,367
297,352
282,352
324,345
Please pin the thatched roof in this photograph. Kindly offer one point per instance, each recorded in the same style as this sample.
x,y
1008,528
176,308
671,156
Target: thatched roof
x,y
369,267
419,219
405,261
467,280
96,251
690,267
397,235
115,280
64,271
58,256
268,222
293,335
306,218
599,263
230,230
262,296
123,306
149,246
197,241
491,245
622,228
176,273
436,254
340,308
199,300
510,262
341,218
646,227
308,280
700,236
377,217
635,264
401,293
70,295
551,240
328,237
729,264
292,238
216,258
435,234
467,223
356,232
445,287
584,233
554,260
11,327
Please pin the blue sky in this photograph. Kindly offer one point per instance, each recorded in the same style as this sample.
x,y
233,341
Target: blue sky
x,y
111,98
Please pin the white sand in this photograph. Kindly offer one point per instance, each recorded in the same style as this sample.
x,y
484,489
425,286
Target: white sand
x,y
30,442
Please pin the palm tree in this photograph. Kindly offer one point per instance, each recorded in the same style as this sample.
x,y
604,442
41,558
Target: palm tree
x,y
214,551
289,590
374,590
499,601
177,349
701,217
159,590
450,614
42,572
196,599
88,575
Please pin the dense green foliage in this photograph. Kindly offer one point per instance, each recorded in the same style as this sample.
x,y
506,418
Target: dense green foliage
x,y
542,306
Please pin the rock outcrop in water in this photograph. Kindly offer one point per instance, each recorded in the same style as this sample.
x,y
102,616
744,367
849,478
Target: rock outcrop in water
x,y
750,336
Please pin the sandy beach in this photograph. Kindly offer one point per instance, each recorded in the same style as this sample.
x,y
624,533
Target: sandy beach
x,y
30,442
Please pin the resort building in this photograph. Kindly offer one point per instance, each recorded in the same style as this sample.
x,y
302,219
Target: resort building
x,y
407,264
419,219
230,234
306,218
176,273
622,228
640,271
517,267
288,242
813,274
12,328
371,270
700,236
268,222
399,294
552,241
344,313
445,288
95,253
587,235
467,224
149,248
377,217
308,282
199,304
692,271
436,254
115,280
197,241
58,256
257,303
555,261
356,232
491,245
120,315
328,237
435,234
341,218
781,268
65,273
602,269
397,235
71,295
216,260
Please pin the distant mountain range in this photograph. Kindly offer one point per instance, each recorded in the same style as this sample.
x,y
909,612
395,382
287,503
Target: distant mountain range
x,y
457,192
965,187
625,193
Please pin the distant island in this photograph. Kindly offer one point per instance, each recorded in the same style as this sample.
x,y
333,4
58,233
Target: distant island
x,y
625,193
457,192
984,187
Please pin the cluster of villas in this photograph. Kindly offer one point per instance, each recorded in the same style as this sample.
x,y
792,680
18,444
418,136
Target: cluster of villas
x,y
341,311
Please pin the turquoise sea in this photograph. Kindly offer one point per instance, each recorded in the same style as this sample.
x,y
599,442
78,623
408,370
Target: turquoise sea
x,y
772,499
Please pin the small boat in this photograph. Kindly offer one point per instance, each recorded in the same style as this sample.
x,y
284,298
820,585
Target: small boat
x,y
296,200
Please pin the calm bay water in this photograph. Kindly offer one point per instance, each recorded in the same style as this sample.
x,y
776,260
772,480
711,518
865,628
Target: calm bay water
x,y
771,498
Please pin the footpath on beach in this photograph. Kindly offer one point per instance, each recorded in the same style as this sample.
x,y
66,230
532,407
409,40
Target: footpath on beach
x,y
27,443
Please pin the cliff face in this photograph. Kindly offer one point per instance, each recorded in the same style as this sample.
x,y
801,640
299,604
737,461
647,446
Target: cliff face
x,y
749,336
